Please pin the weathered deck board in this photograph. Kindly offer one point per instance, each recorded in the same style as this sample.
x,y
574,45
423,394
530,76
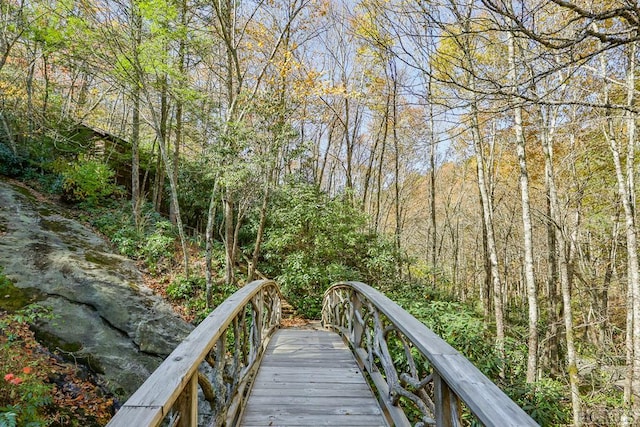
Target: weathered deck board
x,y
310,378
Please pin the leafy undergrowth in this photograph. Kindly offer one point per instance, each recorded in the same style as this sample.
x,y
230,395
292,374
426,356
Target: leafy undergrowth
x,y
37,388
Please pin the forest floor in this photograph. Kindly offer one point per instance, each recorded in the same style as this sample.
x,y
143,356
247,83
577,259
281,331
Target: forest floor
x,y
63,393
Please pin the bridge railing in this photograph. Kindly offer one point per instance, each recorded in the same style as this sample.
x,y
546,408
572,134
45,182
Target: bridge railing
x,y
419,378
210,367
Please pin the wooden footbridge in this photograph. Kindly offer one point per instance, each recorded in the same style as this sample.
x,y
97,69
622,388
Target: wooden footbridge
x,y
369,363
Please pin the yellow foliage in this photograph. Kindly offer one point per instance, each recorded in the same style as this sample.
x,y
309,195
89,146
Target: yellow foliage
x,y
460,49
11,90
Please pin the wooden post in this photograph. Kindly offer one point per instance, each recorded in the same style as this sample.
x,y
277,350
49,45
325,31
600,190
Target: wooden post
x,y
258,313
187,404
447,406
355,327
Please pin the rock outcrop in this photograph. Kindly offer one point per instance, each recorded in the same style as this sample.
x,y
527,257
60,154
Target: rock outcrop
x,y
103,313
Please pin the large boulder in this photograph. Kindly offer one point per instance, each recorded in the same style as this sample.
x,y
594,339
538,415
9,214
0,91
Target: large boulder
x,y
103,313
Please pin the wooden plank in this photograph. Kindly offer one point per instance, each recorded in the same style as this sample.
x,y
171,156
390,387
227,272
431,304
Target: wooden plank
x,y
300,389
297,400
336,380
313,407
310,378
312,421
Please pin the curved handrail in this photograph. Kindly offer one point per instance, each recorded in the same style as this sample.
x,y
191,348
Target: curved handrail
x,y
219,355
417,375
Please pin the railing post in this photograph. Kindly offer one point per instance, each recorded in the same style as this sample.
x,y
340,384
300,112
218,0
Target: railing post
x,y
187,404
356,328
447,406
257,303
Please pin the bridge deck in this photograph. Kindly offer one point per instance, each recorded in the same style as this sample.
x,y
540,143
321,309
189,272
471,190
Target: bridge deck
x,y
310,378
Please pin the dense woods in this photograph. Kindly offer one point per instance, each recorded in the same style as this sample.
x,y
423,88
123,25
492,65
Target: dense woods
x,y
478,154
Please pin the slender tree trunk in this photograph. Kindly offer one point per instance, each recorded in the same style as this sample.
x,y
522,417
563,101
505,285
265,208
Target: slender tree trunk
x,y
47,84
630,221
260,233
603,294
176,155
432,187
169,168
532,294
396,166
487,215
553,341
348,143
30,74
209,244
160,170
626,192
485,289
136,203
179,106
369,173
565,282
227,203
325,156
385,133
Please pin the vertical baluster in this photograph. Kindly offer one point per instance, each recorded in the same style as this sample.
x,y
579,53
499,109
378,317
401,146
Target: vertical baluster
x,y
187,404
448,411
258,308
355,326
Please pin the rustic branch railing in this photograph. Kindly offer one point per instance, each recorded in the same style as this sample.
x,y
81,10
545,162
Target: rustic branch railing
x,y
212,365
418,377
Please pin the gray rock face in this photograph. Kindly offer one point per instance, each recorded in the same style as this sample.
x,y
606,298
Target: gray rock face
x,y
102,310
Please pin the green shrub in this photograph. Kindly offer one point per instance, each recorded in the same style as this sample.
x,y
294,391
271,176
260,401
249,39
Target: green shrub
x,y
10,163
159,245
460,327
313,240
152,240
88,181
183,288
127,239
545,401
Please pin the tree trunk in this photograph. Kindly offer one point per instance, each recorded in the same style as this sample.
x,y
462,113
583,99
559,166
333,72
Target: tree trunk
x,y
209,245
179,118
432,192
626,191
369,174
136,203
553,341
385,133
158,188
259,234
565,285
532,294
487,215
176,155
396,164
169,169
229,244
